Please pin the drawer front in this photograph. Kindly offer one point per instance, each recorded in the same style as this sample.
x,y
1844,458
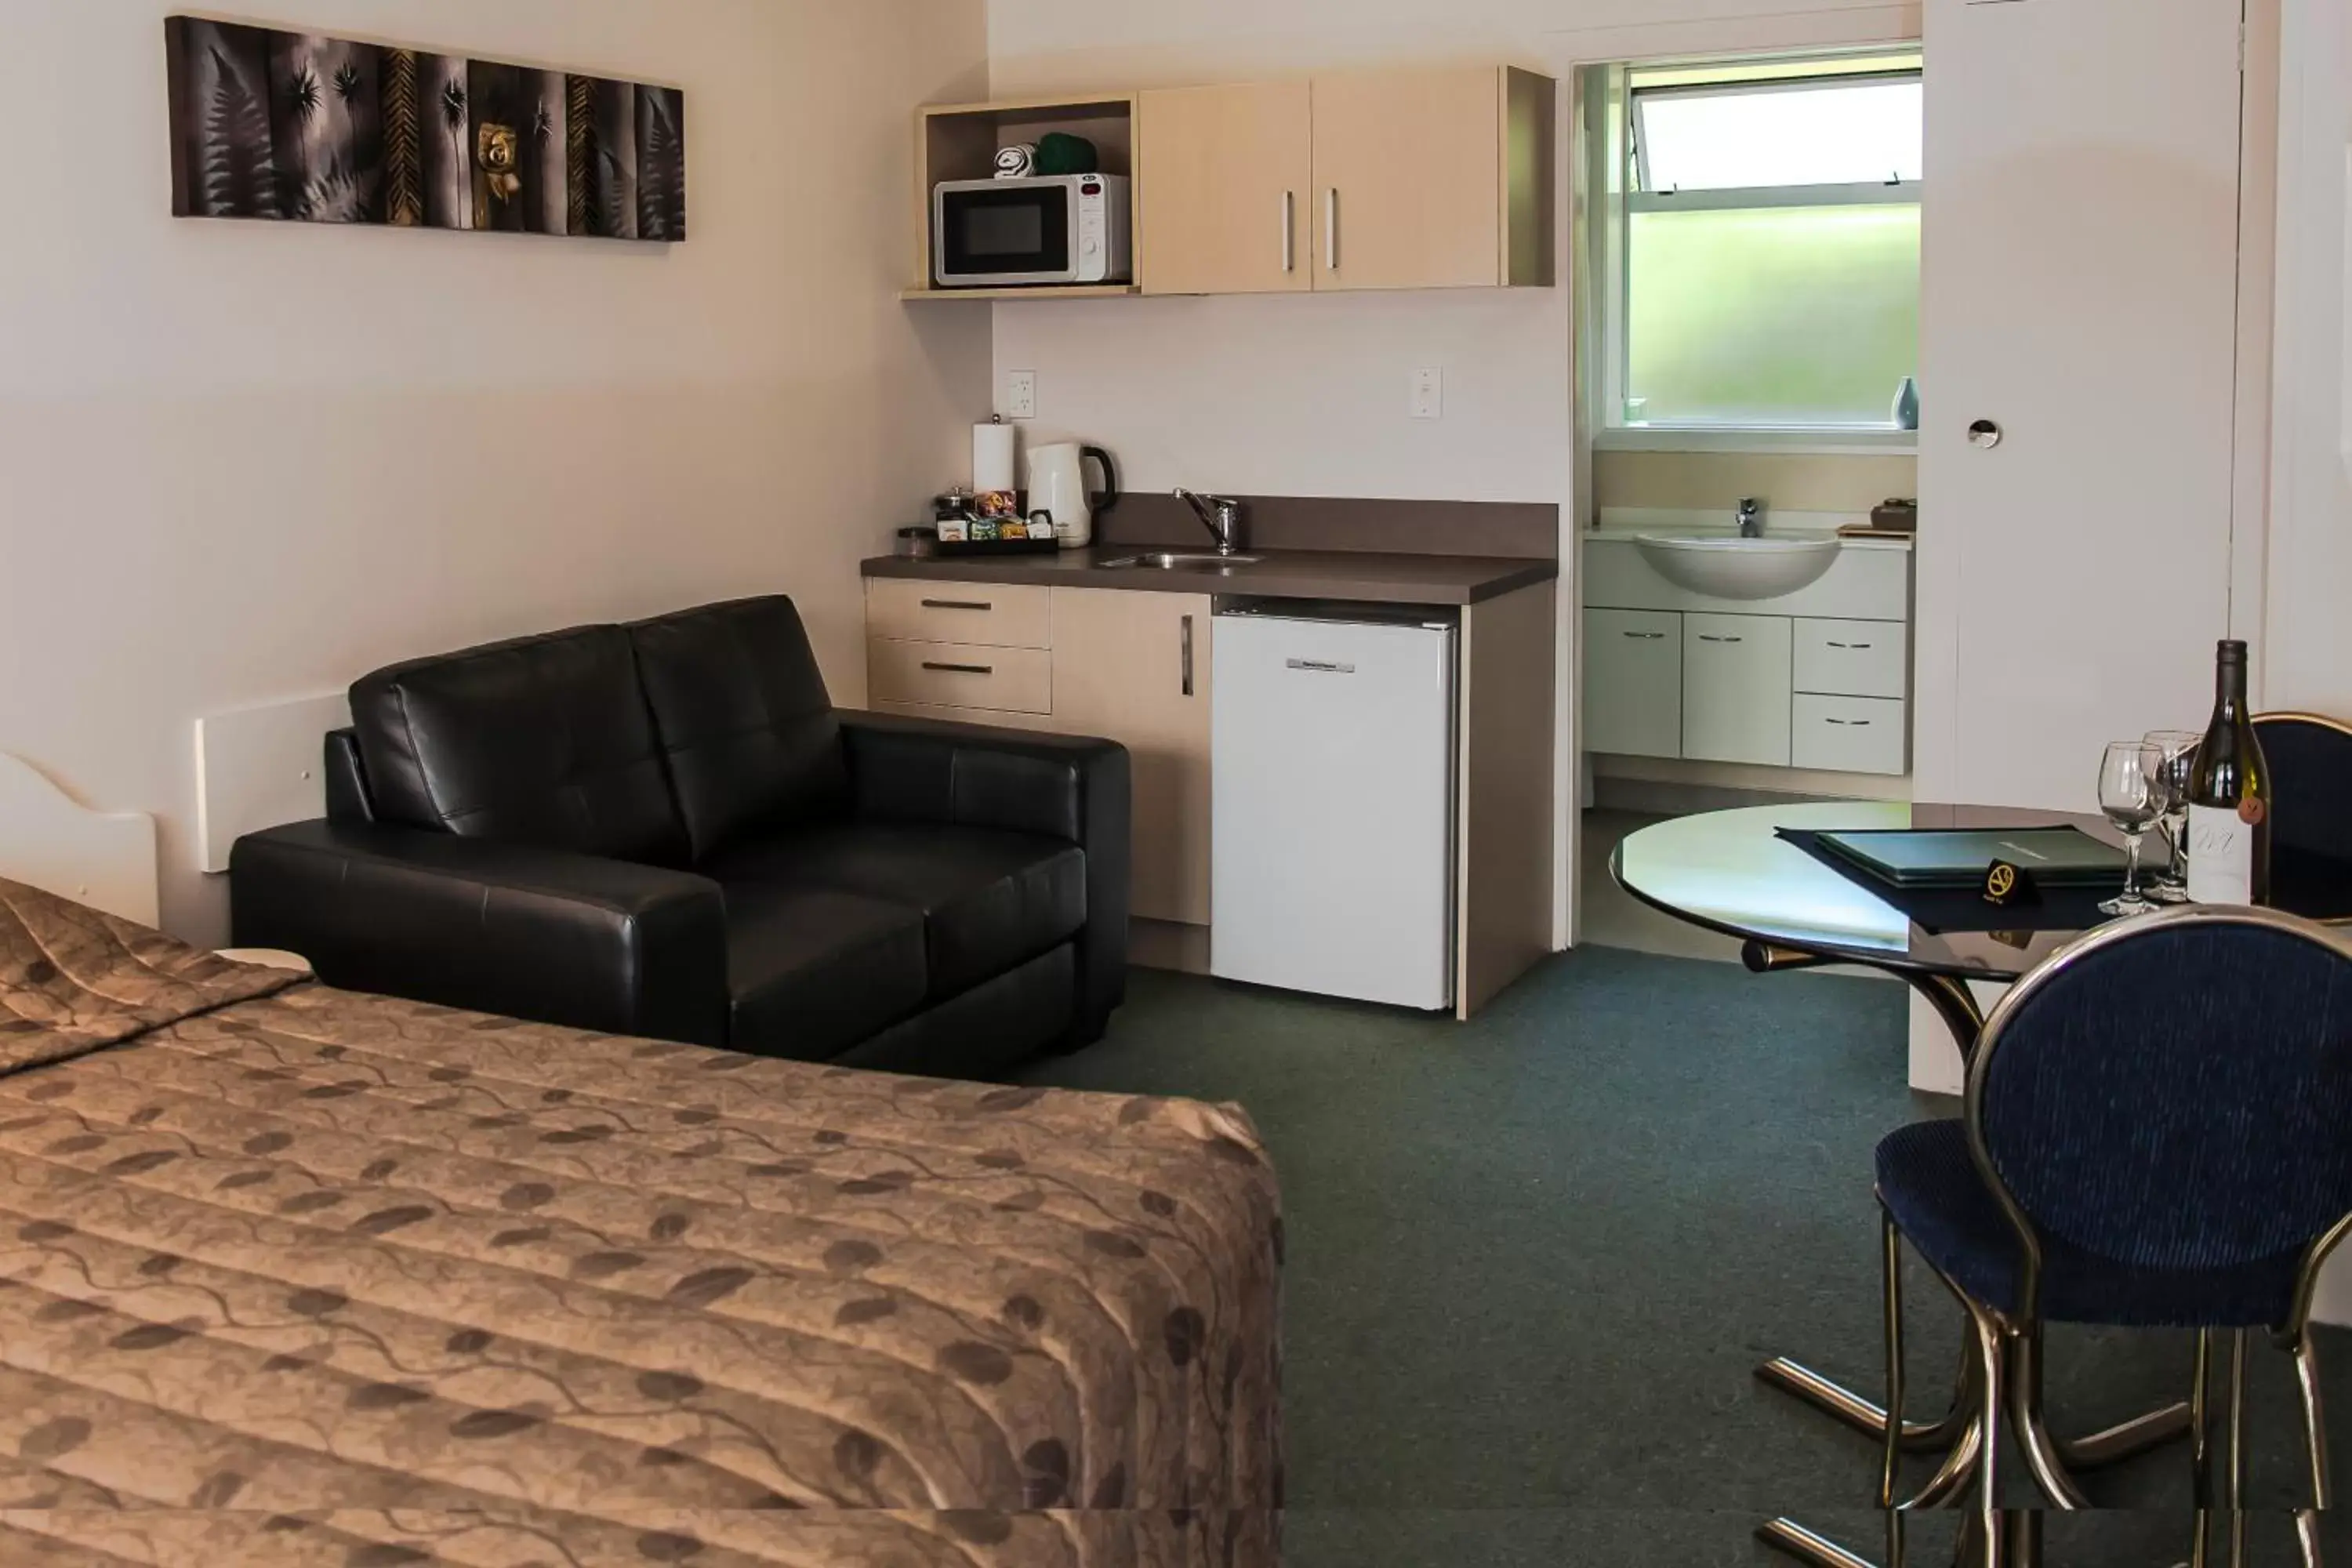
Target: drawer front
x,y
1634,683
984,615
1736,688
1852,735
961,674
1853,659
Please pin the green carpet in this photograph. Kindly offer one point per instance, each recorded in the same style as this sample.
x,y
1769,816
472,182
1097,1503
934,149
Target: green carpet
x,y
1534,1260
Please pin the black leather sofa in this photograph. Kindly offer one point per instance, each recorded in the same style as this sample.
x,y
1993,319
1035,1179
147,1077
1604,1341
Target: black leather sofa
x,y
667,829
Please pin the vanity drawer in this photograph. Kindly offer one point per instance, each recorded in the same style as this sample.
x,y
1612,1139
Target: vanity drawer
x,y
984,615
1852,735
1853,659
961,674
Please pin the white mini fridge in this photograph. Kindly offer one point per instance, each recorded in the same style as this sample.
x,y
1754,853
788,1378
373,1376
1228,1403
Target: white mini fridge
x,y
1334,802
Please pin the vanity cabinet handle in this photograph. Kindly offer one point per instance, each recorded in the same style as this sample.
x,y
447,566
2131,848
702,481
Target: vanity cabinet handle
x,y
1854,647
1290,231
956,604
961,669
1188,656
1647,637
1851,723
1704,637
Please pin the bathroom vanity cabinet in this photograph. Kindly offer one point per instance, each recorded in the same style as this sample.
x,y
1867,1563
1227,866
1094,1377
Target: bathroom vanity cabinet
x,y
1818,679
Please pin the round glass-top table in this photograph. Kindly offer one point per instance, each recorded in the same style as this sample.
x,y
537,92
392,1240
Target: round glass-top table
x,y
1730,872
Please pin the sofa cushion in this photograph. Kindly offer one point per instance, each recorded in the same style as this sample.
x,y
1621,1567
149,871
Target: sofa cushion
x,y
990,899
544,742
812,971
741,711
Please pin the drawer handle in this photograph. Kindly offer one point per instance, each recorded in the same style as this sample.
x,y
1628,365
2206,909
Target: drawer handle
x,y
1647,637
1704,637
961,669
1321,666
1854,647
956,604
1851,723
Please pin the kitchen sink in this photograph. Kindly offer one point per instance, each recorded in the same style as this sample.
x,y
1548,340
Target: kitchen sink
x,y
1177,560
1726,568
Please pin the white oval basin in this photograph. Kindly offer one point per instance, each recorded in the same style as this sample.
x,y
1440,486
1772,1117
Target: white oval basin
x,y
1724,567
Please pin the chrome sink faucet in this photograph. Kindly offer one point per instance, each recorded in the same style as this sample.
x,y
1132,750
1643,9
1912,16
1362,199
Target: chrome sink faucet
x,y
1752,519
1221,517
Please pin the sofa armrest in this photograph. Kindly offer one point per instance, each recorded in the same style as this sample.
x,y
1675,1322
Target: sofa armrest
x,y
541,935
1064,786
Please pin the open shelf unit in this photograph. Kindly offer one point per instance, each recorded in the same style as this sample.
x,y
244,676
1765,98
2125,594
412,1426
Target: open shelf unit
x,y
961,141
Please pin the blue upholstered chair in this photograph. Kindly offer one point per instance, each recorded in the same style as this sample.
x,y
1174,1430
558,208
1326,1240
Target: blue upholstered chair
x,y
2158,1134
2310,810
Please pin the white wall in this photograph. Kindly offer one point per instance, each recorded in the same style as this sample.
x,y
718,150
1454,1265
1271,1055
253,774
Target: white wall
x,y
1309,395
2308,651
2307,654
245,462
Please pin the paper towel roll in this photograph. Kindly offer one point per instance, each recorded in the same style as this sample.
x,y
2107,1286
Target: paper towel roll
x,y
992,459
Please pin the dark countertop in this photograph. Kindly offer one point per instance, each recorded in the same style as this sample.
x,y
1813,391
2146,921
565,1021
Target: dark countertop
x,y
1363,576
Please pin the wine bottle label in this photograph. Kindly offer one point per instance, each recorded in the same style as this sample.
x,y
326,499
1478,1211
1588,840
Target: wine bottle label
x,y
2221,856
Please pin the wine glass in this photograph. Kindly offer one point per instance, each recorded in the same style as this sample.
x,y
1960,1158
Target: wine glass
x,y
2131,792
2170,886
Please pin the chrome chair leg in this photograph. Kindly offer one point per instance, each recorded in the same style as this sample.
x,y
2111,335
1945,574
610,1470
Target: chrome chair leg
x,y
2234,1477
2041,1457
1890,1460
2315,1420
2201,1447
1990,1358
2315,1435
2200,1434
1959,1467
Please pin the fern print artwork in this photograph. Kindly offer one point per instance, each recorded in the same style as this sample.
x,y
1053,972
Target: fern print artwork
x,y
271,123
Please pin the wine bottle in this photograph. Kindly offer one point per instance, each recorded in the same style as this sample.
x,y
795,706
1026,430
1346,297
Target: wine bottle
x,y
2229,798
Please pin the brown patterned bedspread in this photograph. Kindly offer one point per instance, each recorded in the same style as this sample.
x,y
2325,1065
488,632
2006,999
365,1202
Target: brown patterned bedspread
x,y
293,1276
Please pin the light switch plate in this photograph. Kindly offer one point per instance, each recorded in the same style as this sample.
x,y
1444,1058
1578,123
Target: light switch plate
x,y
1429,395
1020,394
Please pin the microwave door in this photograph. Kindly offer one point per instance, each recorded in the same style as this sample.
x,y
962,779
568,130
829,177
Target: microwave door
x,y
1019,234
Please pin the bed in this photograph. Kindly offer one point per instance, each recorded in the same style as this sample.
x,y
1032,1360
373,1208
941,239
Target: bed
x,y
294,1276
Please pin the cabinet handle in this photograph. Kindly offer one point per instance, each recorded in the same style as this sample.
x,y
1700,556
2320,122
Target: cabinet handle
x,y
1290,231
1331,227
1647,637
956,604
1704,637
1188,656
961,669
1853,646
1851,723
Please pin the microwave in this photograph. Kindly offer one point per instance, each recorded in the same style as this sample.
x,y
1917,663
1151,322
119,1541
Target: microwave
x,y
1057,228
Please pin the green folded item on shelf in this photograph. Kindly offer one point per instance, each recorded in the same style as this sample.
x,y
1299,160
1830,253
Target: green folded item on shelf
x,y
1059,153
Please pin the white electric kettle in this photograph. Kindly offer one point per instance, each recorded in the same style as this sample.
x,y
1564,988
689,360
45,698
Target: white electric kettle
x,y
1058,485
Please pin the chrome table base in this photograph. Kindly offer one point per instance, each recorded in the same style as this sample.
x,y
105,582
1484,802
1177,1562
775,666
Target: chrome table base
x,y
1961,1436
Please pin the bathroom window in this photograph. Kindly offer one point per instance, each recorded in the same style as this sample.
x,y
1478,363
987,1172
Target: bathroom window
x,y
1763,248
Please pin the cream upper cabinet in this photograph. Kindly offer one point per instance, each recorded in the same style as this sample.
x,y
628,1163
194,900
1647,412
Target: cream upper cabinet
x,y
1134,667
1433,179
1411,179
1227,174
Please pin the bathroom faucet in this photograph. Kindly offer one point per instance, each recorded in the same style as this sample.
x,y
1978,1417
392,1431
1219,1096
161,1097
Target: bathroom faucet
x,y
1752,519
1221,517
